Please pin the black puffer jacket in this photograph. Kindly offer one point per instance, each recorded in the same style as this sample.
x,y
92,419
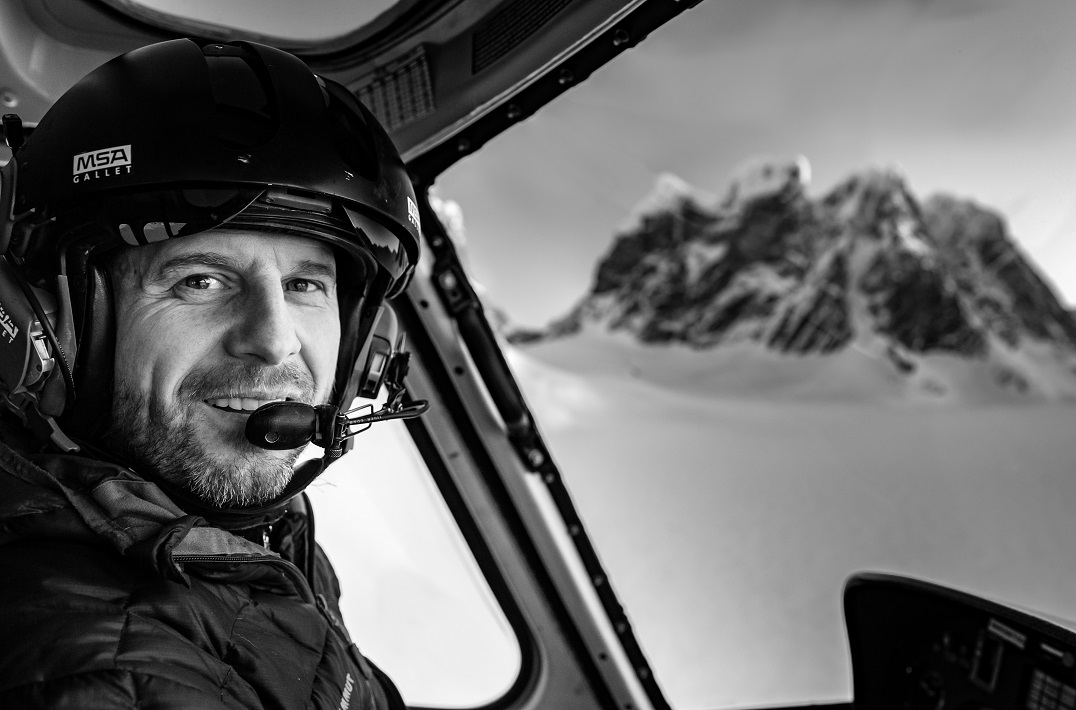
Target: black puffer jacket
x,y
111,597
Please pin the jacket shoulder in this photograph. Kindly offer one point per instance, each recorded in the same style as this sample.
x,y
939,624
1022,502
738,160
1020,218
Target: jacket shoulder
x,y
81,620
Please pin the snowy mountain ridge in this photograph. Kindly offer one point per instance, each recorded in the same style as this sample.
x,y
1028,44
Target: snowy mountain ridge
x,y
867,266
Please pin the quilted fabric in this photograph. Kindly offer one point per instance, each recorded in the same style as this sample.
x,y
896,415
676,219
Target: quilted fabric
x,y
113,597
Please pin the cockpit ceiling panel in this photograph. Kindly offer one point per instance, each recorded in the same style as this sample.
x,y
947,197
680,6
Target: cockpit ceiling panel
x,y
444,76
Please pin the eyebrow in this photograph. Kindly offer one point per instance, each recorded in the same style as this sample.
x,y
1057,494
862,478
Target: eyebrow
x,y
185,261
316,268
307,267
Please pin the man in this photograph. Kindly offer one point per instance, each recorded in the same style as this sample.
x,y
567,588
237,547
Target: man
x,y
191,233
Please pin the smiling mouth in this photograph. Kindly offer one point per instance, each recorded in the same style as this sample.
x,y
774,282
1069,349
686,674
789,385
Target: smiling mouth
x,y
242,405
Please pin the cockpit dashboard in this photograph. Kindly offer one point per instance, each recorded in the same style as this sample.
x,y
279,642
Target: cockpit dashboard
x,y
919,646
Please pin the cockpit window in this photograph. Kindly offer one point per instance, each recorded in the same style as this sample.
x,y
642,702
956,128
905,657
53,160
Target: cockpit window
x,y
412,593
279,20
788,287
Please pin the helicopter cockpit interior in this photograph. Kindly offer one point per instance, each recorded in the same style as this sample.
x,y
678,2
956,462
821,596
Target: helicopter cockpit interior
x,y
745,330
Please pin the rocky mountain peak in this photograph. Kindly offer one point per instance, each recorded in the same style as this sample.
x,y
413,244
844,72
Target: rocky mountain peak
x,y
768,178
866,263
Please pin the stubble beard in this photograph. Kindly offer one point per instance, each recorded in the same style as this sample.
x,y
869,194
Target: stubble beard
x,y
168,441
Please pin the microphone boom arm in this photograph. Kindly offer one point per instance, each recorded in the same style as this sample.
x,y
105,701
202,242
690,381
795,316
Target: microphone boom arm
x,y
289,425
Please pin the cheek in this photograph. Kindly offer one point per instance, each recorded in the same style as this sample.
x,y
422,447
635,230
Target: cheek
x,y
321,345
155,352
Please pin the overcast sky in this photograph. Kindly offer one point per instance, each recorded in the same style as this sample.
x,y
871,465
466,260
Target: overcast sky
x,y
971,97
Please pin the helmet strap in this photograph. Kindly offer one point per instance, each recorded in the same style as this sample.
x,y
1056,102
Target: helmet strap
x,y
88,416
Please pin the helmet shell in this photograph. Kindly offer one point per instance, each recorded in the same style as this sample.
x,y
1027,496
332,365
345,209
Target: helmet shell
x,y
178,115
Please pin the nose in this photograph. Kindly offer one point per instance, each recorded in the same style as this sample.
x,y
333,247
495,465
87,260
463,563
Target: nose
x,y
265,327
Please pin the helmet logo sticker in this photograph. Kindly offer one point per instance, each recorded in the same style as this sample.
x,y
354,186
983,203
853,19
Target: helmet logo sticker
x,y
103,163
412,213
10,330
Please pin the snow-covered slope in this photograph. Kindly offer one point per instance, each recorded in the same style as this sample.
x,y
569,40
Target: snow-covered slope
x,y
937,290
740,405
729,524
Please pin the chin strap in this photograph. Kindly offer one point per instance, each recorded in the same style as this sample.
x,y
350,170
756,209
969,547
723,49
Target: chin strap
x,y
43,427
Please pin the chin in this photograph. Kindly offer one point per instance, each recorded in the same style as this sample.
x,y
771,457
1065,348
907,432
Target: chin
x,y
225,469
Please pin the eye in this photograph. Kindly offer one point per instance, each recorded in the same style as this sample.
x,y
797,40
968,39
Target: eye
x,y
303,286
201,282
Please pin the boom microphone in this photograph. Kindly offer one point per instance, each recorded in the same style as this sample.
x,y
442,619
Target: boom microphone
x,y
289,425
282,425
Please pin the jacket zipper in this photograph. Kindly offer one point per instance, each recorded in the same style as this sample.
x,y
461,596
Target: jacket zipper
x,y
219,558
305,590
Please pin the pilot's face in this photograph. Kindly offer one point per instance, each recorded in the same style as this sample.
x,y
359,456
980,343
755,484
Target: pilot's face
x,y
208,328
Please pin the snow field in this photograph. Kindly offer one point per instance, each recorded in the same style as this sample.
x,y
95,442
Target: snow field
x,y
728,524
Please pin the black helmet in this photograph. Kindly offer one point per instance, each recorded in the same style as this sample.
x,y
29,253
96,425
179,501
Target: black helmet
x,y
174,139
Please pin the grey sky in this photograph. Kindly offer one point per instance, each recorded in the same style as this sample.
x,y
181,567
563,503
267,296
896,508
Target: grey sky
x,y
970,97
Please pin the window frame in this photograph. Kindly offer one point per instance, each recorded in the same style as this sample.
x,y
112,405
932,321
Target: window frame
x,y
517,518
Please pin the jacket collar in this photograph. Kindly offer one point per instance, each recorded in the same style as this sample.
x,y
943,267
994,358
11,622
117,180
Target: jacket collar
x,y
54,495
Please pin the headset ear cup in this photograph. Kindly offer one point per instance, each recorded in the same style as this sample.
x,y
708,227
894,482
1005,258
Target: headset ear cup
x,y
90,414
359,313
372,363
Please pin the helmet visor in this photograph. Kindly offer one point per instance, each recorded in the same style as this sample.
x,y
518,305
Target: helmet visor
x,y
146,217
142,218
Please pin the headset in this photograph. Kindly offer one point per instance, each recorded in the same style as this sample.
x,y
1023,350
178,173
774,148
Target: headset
x,y
30,348
32,356
42,355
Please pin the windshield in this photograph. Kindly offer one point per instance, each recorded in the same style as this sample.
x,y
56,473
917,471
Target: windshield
x,y
280,20
787,287
412,593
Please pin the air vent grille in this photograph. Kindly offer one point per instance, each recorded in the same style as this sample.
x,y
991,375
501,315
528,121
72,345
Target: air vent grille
x,y
509,28
400,93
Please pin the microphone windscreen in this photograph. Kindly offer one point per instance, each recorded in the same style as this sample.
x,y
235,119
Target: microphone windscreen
x,y
281,425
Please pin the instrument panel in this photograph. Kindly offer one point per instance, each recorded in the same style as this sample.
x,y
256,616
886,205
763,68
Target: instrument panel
x,y
919,646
